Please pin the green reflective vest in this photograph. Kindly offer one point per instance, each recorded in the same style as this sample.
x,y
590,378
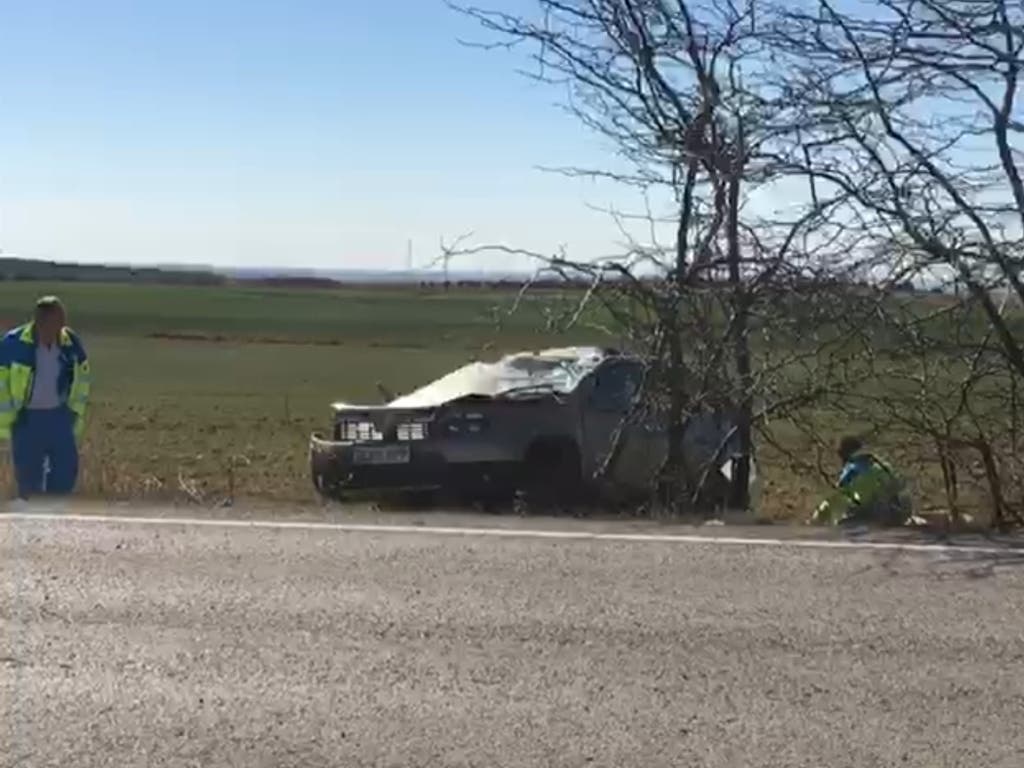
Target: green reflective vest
x,y
17,372
876,494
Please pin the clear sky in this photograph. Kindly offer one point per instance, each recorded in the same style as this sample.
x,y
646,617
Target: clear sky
x,y
316,133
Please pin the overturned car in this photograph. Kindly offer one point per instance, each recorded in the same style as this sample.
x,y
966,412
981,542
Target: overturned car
x,y
537,423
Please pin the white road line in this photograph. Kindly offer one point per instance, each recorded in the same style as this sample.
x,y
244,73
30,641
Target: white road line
x,y
665,538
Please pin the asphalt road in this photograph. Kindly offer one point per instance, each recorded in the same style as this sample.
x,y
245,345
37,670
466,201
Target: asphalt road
x,y
160,645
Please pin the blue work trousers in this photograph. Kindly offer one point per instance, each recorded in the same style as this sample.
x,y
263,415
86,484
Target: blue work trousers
x,y
40,437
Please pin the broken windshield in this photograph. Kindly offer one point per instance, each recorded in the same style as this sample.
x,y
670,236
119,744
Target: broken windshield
x,y
530,373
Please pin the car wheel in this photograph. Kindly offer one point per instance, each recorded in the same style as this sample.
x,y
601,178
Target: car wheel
x,y
552,476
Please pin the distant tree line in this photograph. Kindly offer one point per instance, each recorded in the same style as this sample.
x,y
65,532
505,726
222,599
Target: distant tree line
x,y
14,269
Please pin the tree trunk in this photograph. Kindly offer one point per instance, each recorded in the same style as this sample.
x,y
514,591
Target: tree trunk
x,y
740,497
674,469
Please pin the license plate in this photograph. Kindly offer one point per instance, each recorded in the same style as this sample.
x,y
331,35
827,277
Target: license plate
x,y
387,454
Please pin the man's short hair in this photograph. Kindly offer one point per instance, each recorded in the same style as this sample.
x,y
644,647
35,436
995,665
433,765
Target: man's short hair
x,y
48,304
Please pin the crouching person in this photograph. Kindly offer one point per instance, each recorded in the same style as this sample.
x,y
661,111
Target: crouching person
x,y
868,491
44,391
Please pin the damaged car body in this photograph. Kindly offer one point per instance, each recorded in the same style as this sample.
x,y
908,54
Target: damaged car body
x,y
540,423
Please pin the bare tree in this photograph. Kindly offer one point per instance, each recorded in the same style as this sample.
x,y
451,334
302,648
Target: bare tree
x,y
910,107
679,89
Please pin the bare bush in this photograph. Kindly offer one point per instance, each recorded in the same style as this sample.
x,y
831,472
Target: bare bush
x,y
910,107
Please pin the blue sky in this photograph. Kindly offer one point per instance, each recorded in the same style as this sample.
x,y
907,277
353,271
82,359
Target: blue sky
x,y
308,133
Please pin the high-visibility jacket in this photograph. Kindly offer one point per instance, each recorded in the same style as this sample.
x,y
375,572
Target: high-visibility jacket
x,y
868,488
17,374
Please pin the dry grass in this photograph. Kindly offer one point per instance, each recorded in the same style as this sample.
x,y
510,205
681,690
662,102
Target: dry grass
x,y
202,421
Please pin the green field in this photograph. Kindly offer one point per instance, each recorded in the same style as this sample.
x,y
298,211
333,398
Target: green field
x,y
191,382
216,389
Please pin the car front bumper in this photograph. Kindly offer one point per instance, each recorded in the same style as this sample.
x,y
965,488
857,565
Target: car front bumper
x,y
335,470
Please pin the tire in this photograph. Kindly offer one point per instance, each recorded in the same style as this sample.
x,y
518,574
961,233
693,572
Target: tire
x,y
326,490
716,493
551,474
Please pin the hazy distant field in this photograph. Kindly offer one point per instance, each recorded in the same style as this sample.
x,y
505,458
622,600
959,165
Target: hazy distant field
x,y
391,316
194,385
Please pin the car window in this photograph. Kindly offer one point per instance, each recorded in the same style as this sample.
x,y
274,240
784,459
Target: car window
x,y
615,386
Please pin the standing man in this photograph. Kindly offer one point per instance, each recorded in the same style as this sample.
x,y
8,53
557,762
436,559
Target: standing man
x,y
44,391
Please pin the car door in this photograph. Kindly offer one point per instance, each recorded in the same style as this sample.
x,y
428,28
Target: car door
x,y
606,410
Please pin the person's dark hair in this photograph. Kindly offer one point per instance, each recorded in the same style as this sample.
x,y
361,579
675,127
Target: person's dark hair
x,y
849,446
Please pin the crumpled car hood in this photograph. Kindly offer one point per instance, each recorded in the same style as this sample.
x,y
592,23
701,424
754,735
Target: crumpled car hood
x,y
556,370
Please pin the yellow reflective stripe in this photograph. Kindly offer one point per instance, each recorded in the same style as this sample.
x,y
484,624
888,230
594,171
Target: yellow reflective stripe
x,y
21,381
7,408
81,386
